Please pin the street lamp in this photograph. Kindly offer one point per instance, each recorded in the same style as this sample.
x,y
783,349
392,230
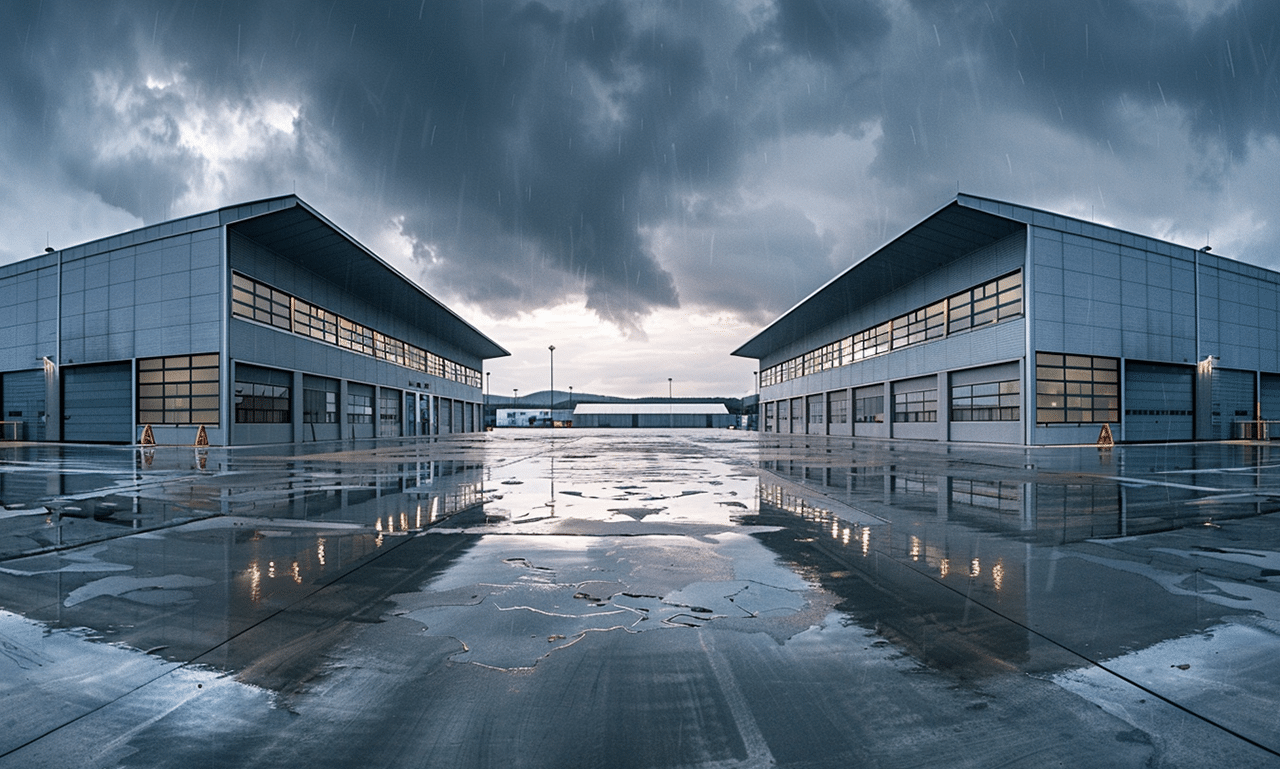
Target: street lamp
x,y
551,413
671,418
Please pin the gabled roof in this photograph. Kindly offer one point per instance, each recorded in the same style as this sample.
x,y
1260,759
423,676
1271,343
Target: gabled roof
x,y
956,229
297,232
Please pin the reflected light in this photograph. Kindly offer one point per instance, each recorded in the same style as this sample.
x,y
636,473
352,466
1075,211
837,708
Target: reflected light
x,y
944,567
320,550
845,535
915,548
255,582
418,521
997,575
975,568
866,540
378,525
435,508
835,531
404,521
271,569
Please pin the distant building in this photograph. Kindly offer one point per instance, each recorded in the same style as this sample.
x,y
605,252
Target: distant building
x,y
261,323
523,417
999,323
653,415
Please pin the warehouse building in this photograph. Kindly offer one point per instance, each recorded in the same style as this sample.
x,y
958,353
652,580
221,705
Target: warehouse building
x,y
994,322
673,414
260,323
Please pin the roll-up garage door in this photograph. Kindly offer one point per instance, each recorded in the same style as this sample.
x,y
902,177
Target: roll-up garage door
x,y
1158,402
97,404
1270,396
1232,401
24,402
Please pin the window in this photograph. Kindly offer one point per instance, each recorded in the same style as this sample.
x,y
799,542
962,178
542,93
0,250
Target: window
x,y
920,326
838,408
815,410
359,407
986,402
916,406
263,396
1077,389
258,301
768,417
991,302
178,390
869,408
319,400
388,412
873,341
315,322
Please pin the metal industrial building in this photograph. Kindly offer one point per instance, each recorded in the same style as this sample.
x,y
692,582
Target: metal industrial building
x,y
995,322
674,414
261,323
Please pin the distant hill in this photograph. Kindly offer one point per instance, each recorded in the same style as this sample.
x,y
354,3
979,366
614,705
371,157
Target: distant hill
x,y
542,400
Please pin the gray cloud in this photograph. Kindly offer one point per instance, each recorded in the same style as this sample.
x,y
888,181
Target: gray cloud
x,y
532,150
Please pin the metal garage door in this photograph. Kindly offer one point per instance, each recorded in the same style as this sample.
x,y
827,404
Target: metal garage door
x,y
1158,402
1232,401
24,402
97,403
1270,396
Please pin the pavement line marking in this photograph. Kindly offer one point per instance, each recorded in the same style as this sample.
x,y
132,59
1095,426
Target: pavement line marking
x,y
758,753
1143,482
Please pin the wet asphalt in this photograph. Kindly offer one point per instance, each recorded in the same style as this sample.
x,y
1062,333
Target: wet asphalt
x,y
577,598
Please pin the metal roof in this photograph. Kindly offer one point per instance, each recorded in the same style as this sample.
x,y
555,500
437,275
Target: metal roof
x,y
650,408
951,232
297,232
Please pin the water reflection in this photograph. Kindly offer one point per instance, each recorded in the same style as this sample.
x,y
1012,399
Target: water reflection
x,y
1052,507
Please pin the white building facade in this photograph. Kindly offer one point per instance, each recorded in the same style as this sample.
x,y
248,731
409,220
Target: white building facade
x,y
993,322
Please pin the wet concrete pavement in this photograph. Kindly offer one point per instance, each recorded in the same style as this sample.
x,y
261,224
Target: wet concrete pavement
x,y
694,599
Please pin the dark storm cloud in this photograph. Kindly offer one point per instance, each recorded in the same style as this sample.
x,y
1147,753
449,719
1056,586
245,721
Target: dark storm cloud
x,y
531,149
1081,65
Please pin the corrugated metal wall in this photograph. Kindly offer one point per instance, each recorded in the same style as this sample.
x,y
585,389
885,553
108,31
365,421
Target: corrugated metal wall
x,y
1158,402
97,403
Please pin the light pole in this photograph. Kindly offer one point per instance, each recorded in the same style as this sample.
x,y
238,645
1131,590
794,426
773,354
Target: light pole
x,y
551,412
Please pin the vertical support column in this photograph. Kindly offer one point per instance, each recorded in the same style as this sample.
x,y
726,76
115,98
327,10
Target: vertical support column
x,y
52,401
295,409
344,422
377,411
1124,377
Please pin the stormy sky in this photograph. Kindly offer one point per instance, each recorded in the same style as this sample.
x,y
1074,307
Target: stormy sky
x,y
642,184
